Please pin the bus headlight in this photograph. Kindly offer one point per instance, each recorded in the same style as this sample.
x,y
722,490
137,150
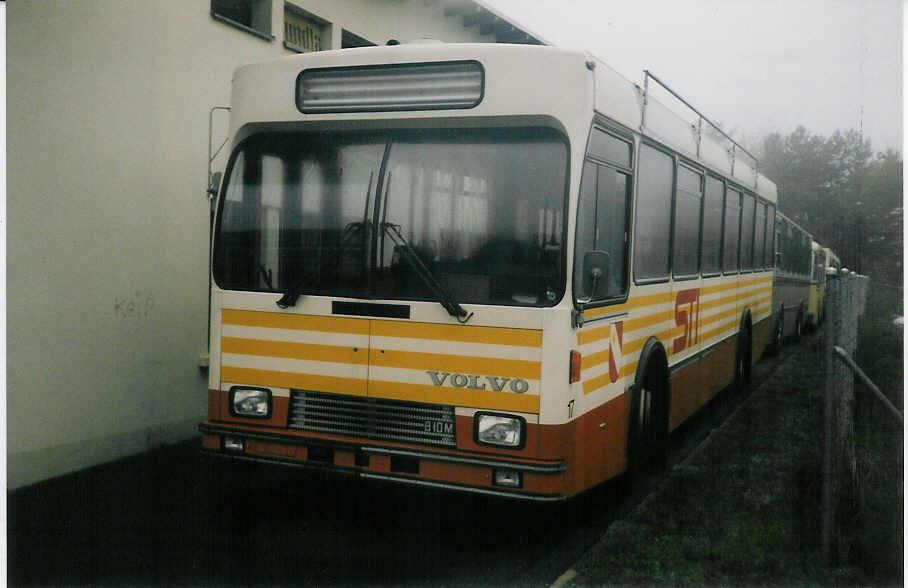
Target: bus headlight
x,y
499,430
250,402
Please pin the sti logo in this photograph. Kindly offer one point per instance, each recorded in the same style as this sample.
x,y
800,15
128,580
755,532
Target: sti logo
x,y
495,383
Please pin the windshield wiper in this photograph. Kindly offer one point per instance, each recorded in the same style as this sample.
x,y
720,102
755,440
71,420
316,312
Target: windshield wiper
x,y
444,298
293,293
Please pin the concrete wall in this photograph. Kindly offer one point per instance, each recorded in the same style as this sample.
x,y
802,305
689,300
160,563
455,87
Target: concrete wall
x,y
107,243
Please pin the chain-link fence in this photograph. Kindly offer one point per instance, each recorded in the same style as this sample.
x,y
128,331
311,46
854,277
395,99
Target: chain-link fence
x,y
846,297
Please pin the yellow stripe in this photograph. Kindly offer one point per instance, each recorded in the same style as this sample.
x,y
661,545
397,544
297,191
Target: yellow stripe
x,y
634,302
308,351
252,377
463,333
594,359
706,290
593,384
596,383
648,321
490,366
590,335
629,347
733,298
275,320
657,317
488,399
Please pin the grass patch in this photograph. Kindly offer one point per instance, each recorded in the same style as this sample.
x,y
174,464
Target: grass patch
x,y
745,507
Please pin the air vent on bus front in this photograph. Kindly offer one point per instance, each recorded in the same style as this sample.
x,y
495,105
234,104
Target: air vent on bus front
x,y
372,418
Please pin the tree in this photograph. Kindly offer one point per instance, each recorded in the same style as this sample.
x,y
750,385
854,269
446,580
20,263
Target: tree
x,y
847,201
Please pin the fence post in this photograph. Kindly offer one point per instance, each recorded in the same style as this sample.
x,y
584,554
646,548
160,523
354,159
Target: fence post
x,y
830,328
846,475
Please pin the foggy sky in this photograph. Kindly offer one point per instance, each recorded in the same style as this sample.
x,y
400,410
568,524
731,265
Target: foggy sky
x,y
755,66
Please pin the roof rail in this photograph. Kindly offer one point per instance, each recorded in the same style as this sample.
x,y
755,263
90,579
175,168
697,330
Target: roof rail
x,y
735,146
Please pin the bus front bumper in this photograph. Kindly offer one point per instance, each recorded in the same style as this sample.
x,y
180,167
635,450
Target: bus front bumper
x,y
516,479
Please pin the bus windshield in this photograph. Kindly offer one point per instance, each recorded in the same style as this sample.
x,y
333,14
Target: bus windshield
x,y
484,210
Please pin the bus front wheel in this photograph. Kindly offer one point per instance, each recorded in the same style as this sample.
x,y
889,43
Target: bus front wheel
x,y
648,424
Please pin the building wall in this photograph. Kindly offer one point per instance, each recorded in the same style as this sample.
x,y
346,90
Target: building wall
x,y
107,236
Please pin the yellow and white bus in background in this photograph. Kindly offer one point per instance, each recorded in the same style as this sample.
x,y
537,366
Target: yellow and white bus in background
x,y
817,283
792,283
503,269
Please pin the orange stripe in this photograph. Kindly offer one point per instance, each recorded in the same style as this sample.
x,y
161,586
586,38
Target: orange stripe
x,y
308,351
463,333
253,377
489,399
276,320
515,368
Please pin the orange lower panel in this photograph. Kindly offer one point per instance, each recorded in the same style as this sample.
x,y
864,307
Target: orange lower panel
x,y
455,469
696,384
594,445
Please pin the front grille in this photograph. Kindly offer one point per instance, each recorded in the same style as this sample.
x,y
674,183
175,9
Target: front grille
x,y
372,418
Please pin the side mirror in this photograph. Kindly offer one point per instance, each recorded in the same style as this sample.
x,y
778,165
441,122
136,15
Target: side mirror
x,y
595,272
214,184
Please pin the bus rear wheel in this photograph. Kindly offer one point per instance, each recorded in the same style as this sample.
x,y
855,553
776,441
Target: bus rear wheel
x,y
799,325
778,335
743,361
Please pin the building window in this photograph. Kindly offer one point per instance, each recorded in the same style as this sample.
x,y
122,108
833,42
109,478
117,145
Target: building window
x,y
252,16
302,33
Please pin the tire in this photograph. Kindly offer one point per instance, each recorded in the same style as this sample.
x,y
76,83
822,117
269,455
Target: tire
x,y
648,424
743,361
778,335
799,326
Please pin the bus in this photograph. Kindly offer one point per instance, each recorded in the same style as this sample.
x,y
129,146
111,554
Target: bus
x,y
832,261
817,284
501,269
792,280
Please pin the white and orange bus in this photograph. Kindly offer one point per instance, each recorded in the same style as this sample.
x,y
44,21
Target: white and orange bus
x,y
503,269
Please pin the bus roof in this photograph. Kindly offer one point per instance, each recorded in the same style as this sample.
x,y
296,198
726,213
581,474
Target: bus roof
x,y
529,82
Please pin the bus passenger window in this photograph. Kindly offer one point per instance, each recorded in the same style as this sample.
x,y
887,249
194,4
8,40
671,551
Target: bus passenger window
x,y
771,243
711,261
747,233
687,222
653,217
760,236
732,234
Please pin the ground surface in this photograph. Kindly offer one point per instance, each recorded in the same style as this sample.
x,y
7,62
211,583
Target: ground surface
x,y
744,507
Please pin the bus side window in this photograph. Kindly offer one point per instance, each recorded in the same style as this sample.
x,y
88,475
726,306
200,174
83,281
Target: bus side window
x,y
760,236
747,233
654,209
688,197
602,226
712,226
732,231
